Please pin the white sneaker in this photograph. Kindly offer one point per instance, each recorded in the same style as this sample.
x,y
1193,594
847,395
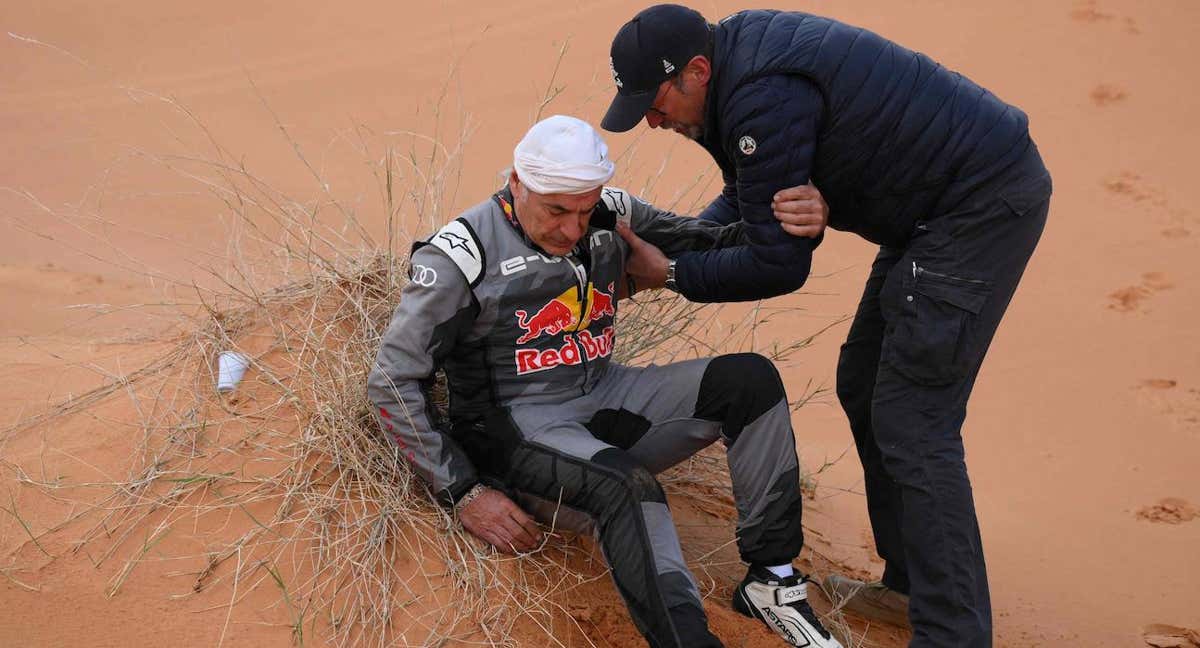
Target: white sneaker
x,y
782,604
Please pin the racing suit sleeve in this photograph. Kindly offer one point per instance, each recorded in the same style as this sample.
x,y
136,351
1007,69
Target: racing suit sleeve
x,y
669,232
769,131
675,234
436,307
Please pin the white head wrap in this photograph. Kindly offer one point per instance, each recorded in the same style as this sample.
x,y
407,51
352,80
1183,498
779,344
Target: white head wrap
x,y
562,155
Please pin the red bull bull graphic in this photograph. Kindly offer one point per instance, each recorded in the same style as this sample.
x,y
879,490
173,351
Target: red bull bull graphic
x,y
551,319
602,304
564,313
593,347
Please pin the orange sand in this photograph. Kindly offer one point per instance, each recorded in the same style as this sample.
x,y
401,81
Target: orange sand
x,y
1084,431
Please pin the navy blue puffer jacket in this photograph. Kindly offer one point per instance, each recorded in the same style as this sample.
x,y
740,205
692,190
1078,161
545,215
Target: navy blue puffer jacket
x,y
889,136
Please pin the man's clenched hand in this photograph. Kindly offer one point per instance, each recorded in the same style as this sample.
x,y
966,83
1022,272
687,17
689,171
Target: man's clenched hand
x,y
801,211
498,521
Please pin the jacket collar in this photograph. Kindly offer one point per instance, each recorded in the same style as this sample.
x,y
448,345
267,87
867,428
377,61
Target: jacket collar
x,y
710,96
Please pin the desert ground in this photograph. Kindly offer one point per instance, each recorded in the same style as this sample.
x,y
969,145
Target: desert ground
x,y
124,123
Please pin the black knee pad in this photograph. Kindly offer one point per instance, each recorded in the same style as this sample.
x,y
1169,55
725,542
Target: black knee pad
x,y
618,427
749,371
737,389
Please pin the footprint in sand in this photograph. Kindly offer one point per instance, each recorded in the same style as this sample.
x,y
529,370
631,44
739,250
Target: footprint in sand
x,y
1130,185
1088,11
1161,635
1168,510
1168,399
1156,281
1130,298
1106,94
1127,299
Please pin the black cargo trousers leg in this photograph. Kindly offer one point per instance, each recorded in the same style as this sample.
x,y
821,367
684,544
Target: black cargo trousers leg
x,y
923,326
597,455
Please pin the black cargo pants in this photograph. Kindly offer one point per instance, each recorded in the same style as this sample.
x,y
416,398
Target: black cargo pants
x,y
905,372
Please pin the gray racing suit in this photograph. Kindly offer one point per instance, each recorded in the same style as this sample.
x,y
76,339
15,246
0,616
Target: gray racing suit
x,y
537,408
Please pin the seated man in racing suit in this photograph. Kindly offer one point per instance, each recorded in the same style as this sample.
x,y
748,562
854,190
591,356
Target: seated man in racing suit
x,y
515,300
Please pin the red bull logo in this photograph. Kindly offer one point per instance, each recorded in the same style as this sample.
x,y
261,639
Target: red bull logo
x,y
602,304
550,320
572,352
565,313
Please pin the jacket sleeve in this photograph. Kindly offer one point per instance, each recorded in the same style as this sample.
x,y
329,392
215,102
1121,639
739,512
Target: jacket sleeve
x,y
436,307
723,209
769,130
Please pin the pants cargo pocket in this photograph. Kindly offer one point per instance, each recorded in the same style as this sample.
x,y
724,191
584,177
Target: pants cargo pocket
x,y
934,341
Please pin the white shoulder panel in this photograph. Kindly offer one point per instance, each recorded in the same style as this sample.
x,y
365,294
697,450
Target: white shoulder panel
x,y
462,246
619,201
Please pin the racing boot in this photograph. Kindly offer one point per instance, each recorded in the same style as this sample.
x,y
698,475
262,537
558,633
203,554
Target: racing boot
x,y
782,604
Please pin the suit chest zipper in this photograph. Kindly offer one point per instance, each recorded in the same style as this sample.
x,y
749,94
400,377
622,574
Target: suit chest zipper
x,y
581,285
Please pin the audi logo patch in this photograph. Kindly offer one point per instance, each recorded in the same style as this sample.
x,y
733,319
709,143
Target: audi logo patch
x,y
424,275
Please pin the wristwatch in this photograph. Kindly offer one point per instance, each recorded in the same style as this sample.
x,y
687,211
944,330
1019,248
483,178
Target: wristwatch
x,y
476,491
670,283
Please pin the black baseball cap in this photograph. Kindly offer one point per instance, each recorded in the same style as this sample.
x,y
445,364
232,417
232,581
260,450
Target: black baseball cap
x,y
648,50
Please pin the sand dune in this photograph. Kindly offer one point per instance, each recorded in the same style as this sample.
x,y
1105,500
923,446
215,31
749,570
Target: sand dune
x,y
1083,434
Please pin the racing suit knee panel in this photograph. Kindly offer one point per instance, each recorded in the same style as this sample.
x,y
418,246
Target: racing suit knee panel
x,y
737,389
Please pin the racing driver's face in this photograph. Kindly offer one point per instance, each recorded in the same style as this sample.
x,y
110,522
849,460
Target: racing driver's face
x,y
555,222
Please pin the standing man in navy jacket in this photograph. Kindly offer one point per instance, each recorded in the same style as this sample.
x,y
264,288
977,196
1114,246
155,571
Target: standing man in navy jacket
x,y
918,159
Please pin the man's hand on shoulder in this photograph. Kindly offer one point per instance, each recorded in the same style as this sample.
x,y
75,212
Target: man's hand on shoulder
x,y
647,265
497,520
801,211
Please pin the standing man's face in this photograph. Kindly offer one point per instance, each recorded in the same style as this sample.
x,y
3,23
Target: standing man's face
x,y
555,222
679,104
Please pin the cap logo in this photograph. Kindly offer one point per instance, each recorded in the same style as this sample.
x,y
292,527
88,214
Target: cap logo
x,y
668,66
616,78
747,145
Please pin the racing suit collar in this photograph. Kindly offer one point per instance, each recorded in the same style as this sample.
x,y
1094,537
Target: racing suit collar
x,y
504,200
